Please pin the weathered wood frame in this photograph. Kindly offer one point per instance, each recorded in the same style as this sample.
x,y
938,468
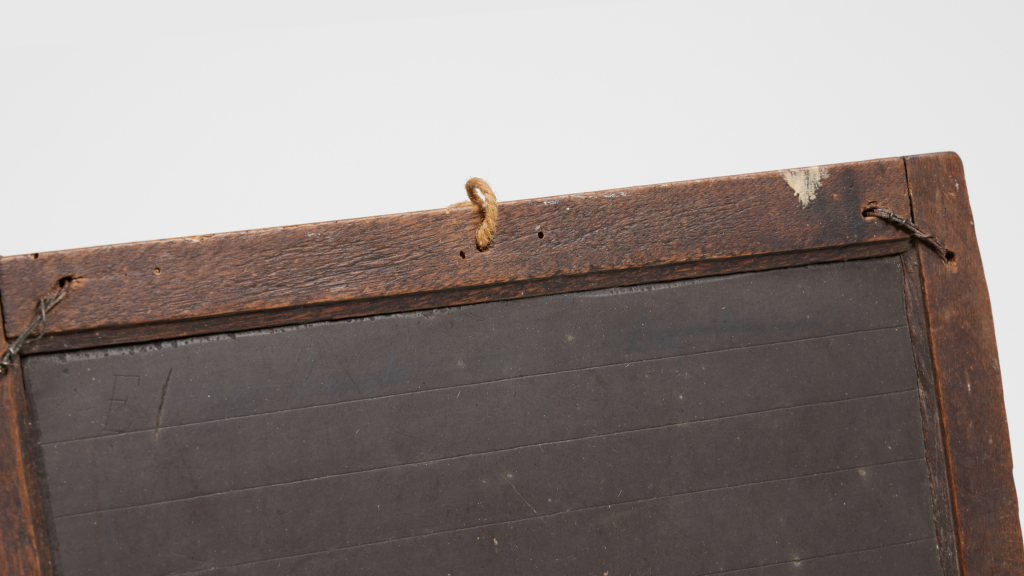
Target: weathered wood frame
x,y
237,281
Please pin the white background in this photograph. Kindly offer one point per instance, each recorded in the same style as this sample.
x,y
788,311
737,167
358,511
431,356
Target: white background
x,y
125,121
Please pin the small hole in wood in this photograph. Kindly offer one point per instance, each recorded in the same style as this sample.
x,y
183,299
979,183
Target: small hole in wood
x,y
950,257
540,235
63,282
156,270
462,254
35,256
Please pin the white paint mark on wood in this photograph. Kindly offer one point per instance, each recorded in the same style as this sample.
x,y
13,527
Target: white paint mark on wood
x,y
805,183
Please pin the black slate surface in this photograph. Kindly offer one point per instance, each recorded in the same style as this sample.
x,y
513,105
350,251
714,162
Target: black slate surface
x,y
763,423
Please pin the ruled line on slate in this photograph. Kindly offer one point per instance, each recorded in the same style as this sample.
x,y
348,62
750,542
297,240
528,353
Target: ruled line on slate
x,y
576,510
525,446
475,384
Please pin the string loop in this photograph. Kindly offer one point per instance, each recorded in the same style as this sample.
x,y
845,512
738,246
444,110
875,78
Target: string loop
x,y
488,205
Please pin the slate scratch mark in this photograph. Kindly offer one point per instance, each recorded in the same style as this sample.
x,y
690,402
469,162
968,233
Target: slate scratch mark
x,y
362,397
565,513
391,363
160,409
119,416
535,513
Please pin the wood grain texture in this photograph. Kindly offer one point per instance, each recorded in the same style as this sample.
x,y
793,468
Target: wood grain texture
x,y
935,447
23,551
296,275
457,297
966,368
403,255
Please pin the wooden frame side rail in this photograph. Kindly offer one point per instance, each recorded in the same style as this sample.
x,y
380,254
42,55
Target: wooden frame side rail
x,y
184,287
961,337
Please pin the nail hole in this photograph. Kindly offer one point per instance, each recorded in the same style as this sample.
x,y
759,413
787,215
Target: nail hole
x,y
65,281
540,235
462,254
35,256
950,256
156,270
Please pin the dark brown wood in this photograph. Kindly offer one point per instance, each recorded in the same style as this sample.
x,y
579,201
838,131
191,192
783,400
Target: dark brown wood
x,y
966,367
751,421
935,447
432,300
155,418
23,550
355,264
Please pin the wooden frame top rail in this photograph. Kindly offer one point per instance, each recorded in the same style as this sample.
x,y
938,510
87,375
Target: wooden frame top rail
x,y
241,280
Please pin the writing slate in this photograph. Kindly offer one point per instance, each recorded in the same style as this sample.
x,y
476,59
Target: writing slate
x,y
760,424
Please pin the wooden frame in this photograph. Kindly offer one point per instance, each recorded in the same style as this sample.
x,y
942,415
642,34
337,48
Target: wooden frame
x,y
227,282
